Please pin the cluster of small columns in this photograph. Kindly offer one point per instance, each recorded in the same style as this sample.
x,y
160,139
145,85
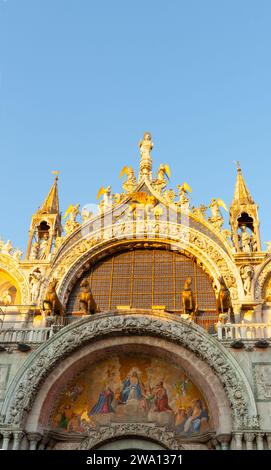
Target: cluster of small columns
x,y
11,440
242,440
252,440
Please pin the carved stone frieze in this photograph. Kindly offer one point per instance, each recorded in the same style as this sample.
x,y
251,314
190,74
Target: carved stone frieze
x,y
103,434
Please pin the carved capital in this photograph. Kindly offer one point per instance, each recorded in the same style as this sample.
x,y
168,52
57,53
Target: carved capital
x,y
225,440
249,436
34,436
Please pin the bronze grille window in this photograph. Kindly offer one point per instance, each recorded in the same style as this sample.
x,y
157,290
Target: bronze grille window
x,y
144,278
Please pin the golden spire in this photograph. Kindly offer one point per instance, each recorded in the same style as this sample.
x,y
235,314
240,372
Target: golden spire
x,y
241,193
51,203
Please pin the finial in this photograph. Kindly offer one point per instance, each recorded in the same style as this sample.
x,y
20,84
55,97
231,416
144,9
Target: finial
x,y
55,172
237,163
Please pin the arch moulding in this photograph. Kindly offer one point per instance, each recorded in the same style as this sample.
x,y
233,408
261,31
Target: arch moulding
x,y
260,279
91,330
11,266
158,434
88,251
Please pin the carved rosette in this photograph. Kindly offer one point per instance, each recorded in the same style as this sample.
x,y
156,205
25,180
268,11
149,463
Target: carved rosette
x,y
103,434
23,390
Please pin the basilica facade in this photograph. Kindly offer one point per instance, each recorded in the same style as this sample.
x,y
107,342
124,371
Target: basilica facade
x,y
143,324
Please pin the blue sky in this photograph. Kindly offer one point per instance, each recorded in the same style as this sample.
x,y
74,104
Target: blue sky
x,y
81,80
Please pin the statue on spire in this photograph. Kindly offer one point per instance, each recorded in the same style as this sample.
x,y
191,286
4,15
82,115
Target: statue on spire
x,y
45,226
244,218
146,146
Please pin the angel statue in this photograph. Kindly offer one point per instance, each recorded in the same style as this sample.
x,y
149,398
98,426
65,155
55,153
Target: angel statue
x,y
71,222
107,198
199,212
17,254
183,199
216,217
7,248
86,214
130,184
161,182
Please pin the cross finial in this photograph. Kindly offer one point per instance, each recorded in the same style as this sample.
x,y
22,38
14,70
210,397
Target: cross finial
x,y
237,163
55,172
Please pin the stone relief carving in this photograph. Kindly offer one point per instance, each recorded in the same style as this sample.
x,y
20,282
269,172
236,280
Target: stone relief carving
x,y
4,376
262,380
190,336
259,280
162,435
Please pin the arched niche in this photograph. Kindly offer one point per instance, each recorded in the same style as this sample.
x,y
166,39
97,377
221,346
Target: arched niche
x,y
10,292
59,387
211,367
133,384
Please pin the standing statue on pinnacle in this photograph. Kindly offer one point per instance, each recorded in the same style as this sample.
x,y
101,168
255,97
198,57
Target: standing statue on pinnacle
x,y
146,146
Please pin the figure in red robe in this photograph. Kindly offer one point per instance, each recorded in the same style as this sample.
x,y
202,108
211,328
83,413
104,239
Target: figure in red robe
x,y
161,398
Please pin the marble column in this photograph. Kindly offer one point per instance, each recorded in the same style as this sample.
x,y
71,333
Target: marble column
x,y
259,440
6,438
268,438
249,438
33,438
238,440
17,437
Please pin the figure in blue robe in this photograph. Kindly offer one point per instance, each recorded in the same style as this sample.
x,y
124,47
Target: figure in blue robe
x,y
104,403
131,388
